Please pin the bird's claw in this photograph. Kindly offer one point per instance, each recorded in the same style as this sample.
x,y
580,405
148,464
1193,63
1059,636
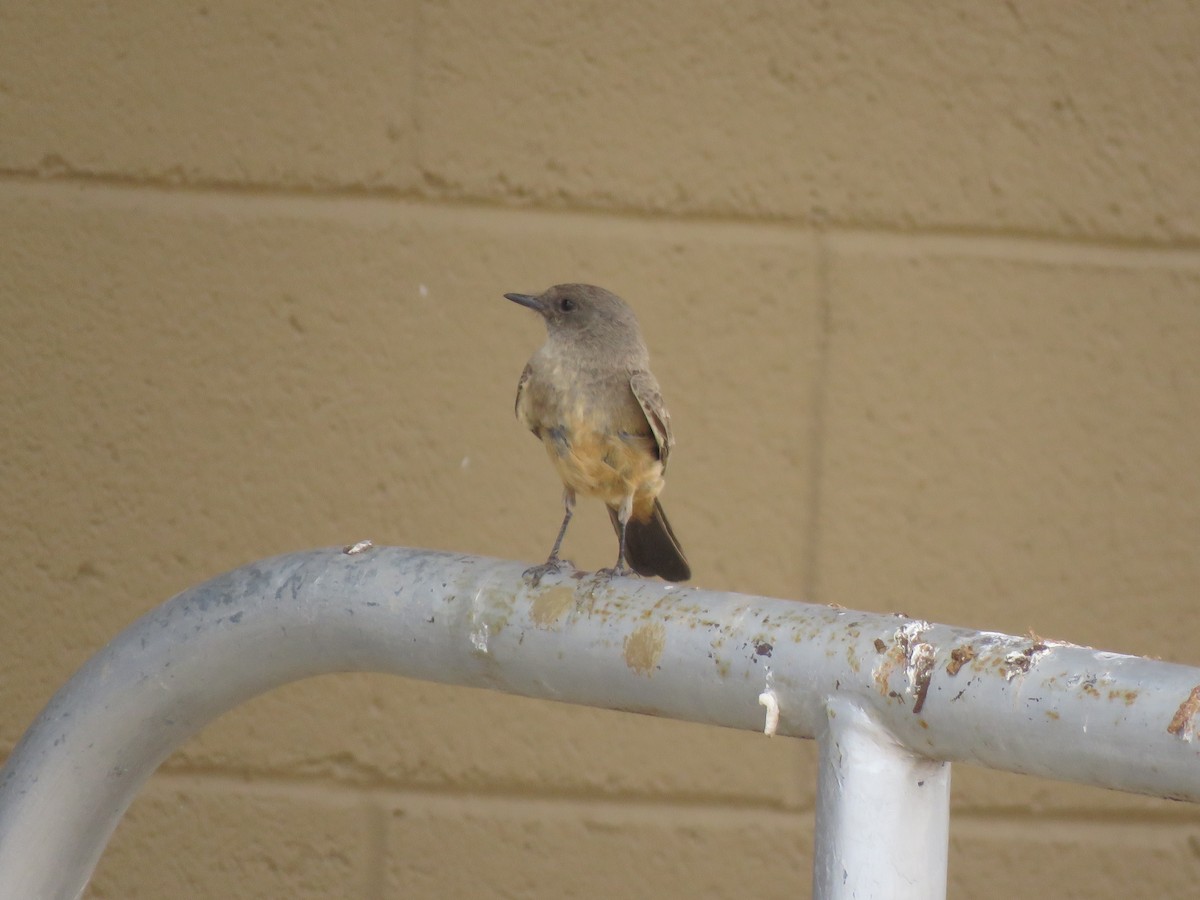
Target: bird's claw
x,y
621,571
534,574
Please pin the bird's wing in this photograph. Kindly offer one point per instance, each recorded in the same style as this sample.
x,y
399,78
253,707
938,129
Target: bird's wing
x,y
525,376
649,397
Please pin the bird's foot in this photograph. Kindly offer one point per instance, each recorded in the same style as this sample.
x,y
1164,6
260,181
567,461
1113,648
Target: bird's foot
x,y
621,571
535,574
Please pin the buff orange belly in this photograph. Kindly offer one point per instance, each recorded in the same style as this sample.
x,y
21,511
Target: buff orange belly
x,y
609,467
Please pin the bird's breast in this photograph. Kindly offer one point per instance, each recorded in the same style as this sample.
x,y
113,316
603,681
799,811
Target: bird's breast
x,y
560,391
608,465
594,431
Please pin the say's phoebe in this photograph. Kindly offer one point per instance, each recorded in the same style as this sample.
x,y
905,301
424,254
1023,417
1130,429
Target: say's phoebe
x,y
588,395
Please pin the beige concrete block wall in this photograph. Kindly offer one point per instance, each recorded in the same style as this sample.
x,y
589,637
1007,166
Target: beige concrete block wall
x,y
921,283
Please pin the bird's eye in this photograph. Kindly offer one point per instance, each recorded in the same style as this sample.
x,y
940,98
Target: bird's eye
x,y
566,304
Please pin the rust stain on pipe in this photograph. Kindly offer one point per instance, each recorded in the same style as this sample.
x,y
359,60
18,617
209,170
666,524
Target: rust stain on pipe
x,y
551,605
1183,723
644,647
959,657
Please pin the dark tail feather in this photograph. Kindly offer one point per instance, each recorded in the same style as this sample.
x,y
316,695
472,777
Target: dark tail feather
x,y
651,547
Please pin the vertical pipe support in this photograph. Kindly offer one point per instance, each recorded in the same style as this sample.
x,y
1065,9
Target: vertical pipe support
x,y
883,813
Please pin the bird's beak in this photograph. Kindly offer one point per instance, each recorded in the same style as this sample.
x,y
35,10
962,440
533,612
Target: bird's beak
x,y
527,300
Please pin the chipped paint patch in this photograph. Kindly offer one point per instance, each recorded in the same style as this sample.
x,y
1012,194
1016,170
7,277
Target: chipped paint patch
x,y
1019,662
1183,723
852,659
959,657
479,637
644,647
920,672
915,655
551,605
886,666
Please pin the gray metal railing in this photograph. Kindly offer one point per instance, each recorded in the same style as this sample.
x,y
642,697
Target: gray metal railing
x,y
891,700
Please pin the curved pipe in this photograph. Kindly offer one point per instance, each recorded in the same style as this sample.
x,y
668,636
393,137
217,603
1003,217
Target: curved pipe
x,y
1055,710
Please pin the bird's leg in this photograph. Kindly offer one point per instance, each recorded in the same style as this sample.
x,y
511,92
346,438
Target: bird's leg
x,y
623,513
568,511
553,562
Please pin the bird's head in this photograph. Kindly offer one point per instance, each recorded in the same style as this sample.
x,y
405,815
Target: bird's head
x,y
582,310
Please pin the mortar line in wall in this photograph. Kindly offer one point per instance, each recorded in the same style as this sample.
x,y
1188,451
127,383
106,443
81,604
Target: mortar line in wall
x,y
390,199
416,57
818,395
728,811
277,784
1074,818
1014,244
1015,247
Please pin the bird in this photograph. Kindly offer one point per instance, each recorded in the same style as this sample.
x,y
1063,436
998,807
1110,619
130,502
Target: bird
x,y
588,395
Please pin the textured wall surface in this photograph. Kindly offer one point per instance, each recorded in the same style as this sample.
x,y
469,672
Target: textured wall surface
x,y
922,287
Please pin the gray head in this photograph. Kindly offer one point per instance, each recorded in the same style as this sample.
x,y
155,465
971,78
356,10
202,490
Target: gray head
x,y
584,311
